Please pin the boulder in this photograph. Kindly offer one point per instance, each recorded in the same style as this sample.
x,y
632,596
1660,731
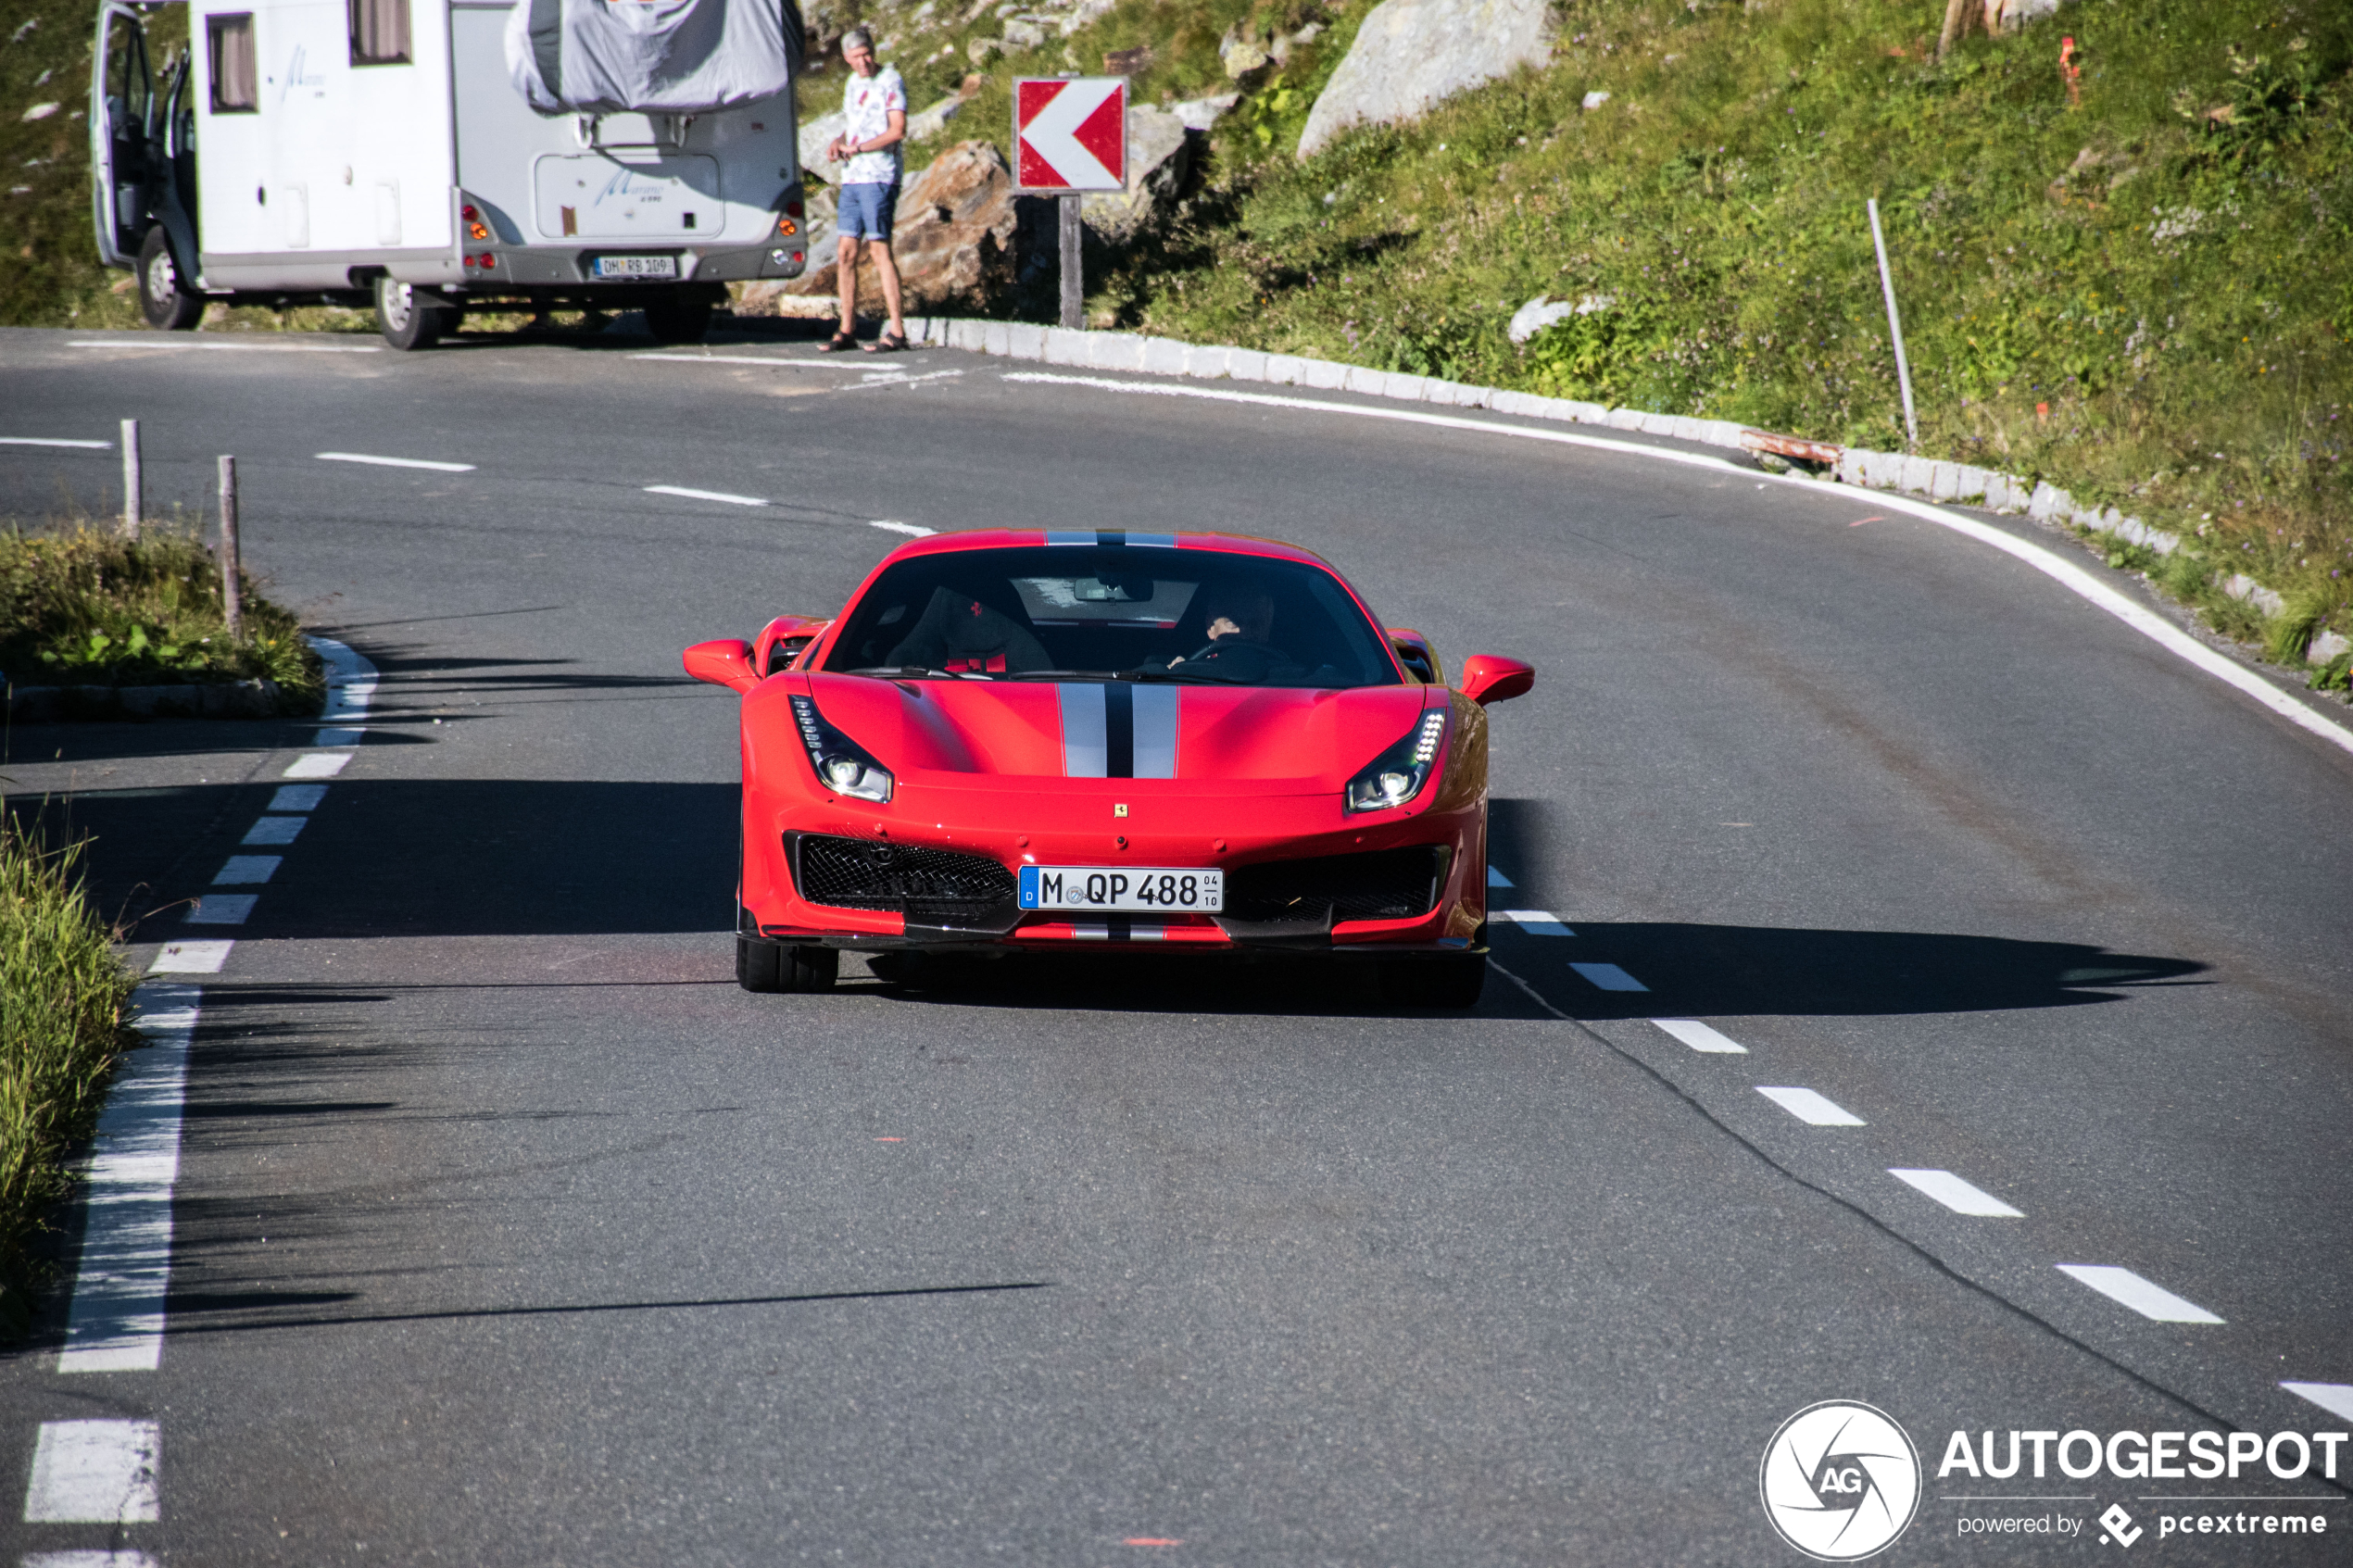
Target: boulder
x,y
1158,157
1411,54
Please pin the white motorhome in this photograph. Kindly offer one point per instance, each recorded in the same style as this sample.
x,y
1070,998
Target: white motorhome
x,y
346,151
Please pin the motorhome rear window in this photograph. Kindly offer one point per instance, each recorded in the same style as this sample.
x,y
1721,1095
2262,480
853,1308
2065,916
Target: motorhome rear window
x,y
236,85
379,31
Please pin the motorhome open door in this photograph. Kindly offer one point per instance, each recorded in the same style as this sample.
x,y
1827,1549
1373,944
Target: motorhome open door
x,y
123,125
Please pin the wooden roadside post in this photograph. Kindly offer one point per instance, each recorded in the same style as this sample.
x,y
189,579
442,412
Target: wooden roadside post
x,y
232,593
135,498
1074,253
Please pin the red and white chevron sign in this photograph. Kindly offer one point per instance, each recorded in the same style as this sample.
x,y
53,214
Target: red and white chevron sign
x,y
1070,133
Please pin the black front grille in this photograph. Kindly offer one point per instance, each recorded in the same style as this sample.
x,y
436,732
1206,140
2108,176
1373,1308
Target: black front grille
x,y
1385,885
927,886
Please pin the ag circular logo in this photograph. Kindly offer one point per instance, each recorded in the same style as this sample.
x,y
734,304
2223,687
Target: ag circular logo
x,y
1840,1480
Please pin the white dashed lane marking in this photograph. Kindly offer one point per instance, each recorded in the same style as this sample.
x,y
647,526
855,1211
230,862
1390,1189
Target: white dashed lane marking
x,y
190,957
912,530
94,1473
2150,1300
705,495
1537,922
1609,976
1700,1037
55,441
1960,1196
245,870
1807,1106
394,463
2334,1397
222,908
1497,879
859,365
298,798
116,1322
274,830
316,765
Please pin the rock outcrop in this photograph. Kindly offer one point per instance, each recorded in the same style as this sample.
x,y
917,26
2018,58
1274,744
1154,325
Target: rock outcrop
x,y
952,236
1159,155
1411,54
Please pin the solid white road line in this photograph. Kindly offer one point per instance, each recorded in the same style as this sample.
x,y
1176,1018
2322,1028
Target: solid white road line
x,y
316,765
190,957
244,871
1536,923
1700,1037
116,1322
912,530
160,342
2150,1300
297,798
394,462
1960,1196
274,830
2068,576
351,689
755,360
1609,977
1809,1106
121,1556
221,908
897,378
94,1473
339,735
704,494
2334,1397
55,441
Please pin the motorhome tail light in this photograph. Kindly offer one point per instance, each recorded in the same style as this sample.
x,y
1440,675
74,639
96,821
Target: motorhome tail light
x,y
467,213
788,227
793,209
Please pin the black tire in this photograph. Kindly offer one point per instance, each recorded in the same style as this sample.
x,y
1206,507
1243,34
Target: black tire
x,y
673,320
411,318
1452,983
777,966
166,303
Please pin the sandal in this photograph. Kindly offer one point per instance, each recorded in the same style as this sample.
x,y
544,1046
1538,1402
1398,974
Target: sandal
x,y
889,343
840,340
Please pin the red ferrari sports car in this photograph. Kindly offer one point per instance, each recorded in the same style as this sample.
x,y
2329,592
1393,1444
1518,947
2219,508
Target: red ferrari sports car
x,y
1028,740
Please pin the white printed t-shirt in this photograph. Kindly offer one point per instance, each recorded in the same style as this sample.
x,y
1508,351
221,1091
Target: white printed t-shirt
x,y
867,104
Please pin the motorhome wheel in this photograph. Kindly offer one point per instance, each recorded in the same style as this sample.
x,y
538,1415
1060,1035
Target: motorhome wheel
x,y
410,317
167,306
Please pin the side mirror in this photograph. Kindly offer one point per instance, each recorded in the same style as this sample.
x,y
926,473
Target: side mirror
x,y
726,662
1488,679
782,639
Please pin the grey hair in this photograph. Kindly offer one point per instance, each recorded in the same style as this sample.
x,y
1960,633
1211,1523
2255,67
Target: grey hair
x,y
857,37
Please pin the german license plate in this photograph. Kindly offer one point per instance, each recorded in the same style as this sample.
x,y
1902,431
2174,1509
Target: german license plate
x,y
633,266
1156,890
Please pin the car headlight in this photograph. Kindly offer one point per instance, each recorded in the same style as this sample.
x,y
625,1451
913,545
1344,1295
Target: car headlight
x,y
1397,775
841,764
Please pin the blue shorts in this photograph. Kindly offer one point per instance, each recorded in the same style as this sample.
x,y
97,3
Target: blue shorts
x,y
863,211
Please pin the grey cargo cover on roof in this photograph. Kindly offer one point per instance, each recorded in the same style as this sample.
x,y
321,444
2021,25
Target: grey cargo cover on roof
x,y
662,57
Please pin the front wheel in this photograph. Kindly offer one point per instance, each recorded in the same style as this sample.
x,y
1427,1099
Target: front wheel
x,y
778,966
1451,982
410,317
167,305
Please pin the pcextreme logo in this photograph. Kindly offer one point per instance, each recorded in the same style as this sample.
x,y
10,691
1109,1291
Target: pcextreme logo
x,y
1840,1481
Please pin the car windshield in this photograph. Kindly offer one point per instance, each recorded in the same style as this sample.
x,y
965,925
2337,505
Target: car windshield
x,y
1111,613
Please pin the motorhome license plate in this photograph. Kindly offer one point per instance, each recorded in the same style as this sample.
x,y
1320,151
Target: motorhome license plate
x,y
1156,890
634,267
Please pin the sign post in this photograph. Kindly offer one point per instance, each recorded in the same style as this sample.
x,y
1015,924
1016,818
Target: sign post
x,y
1070,137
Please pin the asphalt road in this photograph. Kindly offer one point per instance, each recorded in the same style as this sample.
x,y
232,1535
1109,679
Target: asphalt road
x,y
508,1231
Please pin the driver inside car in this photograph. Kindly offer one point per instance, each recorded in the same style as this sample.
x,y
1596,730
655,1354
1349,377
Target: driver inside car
x,y
1239,622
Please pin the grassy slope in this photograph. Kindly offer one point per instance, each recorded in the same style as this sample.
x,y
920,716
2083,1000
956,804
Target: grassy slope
x,y
2201,379
63,1002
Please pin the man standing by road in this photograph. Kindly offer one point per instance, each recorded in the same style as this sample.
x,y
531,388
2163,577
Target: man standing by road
x,y
876,108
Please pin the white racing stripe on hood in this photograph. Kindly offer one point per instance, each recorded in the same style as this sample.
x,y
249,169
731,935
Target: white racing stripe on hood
x,y
1156,713
1082,707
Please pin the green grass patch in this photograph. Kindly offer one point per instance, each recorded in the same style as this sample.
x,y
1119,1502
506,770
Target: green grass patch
x,y
64,1002
81,606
